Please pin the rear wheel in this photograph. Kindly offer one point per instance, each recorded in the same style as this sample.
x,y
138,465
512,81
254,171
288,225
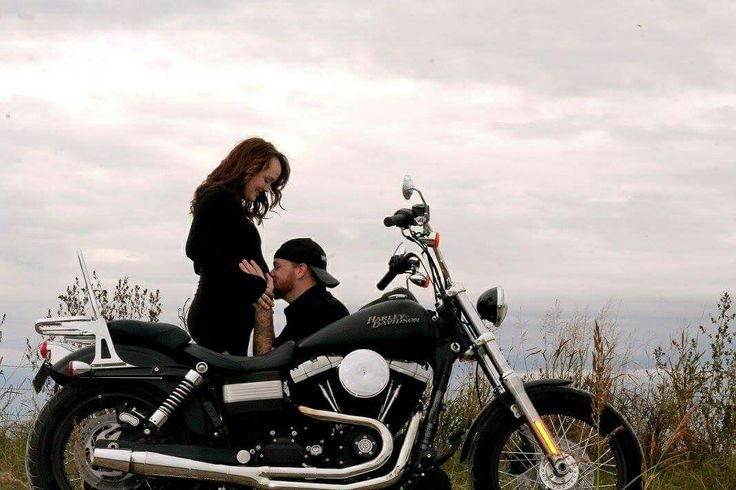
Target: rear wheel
x,y
63,436
604,453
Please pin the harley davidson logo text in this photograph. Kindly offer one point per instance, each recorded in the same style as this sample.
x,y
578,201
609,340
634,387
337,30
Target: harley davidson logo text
x,y
383,320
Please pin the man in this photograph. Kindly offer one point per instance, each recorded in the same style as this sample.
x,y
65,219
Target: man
x,y
299,276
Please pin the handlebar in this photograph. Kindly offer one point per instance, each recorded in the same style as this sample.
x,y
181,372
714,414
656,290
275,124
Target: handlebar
x,y
386,279
396,265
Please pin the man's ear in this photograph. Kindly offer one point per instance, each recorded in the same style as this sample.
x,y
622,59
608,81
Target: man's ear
x,y
302,270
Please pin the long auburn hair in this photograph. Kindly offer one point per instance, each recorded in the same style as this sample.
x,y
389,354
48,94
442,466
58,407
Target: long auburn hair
x,y
243,162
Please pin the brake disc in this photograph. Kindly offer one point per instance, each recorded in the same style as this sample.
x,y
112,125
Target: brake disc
x,y
100,425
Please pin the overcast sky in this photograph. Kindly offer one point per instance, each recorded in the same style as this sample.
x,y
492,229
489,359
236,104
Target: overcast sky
x,y
580,151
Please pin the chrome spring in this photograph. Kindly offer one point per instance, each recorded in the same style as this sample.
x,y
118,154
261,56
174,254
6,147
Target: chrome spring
x,y
187,385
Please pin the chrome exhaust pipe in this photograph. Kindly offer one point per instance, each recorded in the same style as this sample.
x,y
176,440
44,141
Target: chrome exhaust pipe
x,y
155,464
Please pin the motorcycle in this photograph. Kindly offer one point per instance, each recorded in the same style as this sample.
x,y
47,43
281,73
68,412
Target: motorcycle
x,y
356,405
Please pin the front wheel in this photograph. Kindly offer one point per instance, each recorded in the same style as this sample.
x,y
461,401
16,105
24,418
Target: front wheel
x,y
605,451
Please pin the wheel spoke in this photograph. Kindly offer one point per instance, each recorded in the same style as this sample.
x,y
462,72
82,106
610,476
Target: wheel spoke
x,y
591,434
562,426
515,479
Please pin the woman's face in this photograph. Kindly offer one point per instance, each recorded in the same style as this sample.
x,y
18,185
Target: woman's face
x,y
261,182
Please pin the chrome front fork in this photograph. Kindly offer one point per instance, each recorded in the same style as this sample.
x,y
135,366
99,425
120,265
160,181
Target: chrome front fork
x,y
501,374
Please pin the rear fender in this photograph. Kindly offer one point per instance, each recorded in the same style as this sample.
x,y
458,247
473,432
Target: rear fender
x,y
501,404
147,363
153,370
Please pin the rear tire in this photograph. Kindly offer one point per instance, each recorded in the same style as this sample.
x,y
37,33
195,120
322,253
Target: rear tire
x,y
60,441
608,454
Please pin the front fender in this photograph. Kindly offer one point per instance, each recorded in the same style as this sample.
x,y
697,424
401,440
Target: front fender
x,y
502,403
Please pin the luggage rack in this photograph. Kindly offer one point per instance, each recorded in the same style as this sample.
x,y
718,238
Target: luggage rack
x,y
85,330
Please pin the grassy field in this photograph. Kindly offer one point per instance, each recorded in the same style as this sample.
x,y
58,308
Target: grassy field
x,y
716,473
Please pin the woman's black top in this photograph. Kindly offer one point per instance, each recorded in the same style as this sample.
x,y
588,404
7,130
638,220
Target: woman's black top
x,y
222,314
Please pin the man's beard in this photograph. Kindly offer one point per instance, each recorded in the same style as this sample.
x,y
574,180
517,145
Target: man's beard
x,y
282,288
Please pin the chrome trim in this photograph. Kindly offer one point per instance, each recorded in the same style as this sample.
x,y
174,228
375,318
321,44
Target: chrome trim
x,y
321,364
350,471
88,282
185,388
330,399
78,368
99,325
314,367
364,373
53,326
455,289
411,369
63,349
384,411
254,390
155,464
84,330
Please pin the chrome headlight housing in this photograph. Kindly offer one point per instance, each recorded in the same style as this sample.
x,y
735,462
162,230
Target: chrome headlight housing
x,y
492,305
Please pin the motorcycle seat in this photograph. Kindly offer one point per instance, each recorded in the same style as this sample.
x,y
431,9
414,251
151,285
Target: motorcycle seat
x,y
279,357
157,336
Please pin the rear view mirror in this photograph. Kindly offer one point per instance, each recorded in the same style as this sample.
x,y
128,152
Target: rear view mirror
x,y
407,189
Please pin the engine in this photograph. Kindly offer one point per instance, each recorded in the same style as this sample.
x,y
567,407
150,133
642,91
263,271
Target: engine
x,y
361,383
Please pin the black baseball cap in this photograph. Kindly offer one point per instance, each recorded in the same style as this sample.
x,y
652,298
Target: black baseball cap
x,y
307,251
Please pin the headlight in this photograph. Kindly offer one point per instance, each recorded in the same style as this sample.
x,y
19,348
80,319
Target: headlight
x,y
492,305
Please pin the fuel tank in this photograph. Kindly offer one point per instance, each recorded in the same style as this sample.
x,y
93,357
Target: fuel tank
x,y
397,329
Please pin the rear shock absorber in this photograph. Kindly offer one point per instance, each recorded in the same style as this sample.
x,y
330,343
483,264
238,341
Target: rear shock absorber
x,y
190,382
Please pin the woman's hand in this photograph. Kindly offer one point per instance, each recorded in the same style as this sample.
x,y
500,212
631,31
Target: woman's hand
x,y
265,302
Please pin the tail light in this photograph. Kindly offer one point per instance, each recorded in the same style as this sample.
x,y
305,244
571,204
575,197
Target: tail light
x,y
43,349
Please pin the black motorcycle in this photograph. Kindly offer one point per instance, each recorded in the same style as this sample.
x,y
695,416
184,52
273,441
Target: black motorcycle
x,y
355,405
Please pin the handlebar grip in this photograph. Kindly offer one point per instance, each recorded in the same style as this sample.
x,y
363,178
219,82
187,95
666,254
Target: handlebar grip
x,y
396,264
401,218
386,279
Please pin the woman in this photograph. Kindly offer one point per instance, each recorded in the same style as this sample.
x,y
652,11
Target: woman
x,y
240,191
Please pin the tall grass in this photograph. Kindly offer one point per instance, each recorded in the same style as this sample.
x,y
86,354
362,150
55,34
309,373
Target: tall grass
x,y
12,432
683,409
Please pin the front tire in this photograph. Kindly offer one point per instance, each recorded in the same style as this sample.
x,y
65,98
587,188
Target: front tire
x,y
60,443
607,453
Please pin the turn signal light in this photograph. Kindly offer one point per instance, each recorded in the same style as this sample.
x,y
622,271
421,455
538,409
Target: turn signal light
x,y
432,240
43,349
420,280
75,368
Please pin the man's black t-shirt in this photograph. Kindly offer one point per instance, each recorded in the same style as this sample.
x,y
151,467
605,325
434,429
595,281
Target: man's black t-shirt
x,y
313,309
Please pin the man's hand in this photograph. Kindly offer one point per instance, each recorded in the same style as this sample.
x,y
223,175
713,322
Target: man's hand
x,y
265,302
263,335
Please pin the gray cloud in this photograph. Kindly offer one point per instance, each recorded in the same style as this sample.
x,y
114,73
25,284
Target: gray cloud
x,y
561,48
566,152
